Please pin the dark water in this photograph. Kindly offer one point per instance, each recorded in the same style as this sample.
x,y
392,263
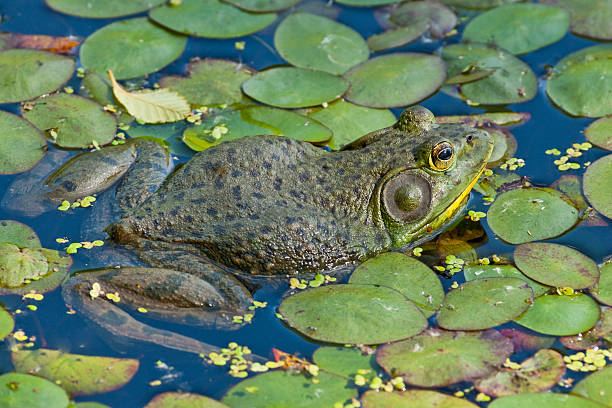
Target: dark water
x,y
54,328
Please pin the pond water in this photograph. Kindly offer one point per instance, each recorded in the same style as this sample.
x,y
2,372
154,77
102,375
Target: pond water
x,y
52,327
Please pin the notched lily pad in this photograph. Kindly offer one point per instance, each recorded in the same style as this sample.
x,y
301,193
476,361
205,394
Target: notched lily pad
x,y
410,277
78,374
23,145
183,400
74,120
309,41
397,37
7,324
537,373
18,234
484,303
355,314
22,390
603,290
441,20
556,265
395,80
437,358
473,272
599,133
531,214
102,9
210,19
289,87
596,190
19,265
561,315
210,82
413,399
590,18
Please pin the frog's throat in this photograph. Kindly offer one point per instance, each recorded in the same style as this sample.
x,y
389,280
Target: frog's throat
x,y
455,205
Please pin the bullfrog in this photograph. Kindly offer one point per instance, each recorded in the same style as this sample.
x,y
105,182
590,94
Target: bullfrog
x,y
263,206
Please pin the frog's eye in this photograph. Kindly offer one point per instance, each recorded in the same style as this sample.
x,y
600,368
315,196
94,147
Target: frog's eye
x,y
442,156
406,197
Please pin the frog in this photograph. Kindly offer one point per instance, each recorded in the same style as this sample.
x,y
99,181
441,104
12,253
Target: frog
x,y
259,207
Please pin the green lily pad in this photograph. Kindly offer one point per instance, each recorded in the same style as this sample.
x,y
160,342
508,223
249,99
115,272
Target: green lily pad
x,y
537,373
395,80
22,144
596,387
183,400
397,37
577,85
346,362
441,19
556,265
478,4
21,390
366,3
512,82
592,337
26,74
7,324
519,28
482,119
90,405
167,134
94,87
210,19
58,267
18,265
102,9
530,214
413,399
410,277
349,122
262,6
504,145
599,133
484,303
437,358
289,389
603,290
315,42
589,18
571,186
470,75
561,315
131,48
353,314
289,87
18,234
472,272
543,400
210,82
78,374
76,121
595,189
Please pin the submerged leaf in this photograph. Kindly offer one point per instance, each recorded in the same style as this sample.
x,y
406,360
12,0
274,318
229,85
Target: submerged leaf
x,y
20,265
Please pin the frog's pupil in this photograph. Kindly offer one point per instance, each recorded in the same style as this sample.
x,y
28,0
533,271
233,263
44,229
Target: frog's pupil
x,y
445,154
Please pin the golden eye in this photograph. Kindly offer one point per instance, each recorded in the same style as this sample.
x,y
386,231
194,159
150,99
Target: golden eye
x,y
442,156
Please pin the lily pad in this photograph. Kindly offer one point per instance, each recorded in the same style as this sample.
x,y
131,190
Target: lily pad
x,y
167,134
26,74
309,41
556,265
344,361
131,48
413,399
512,82
262,6
504,145
94,87
595,188
577,84
472,272
530,214
599,133
18,265
22,390
527,341
482,119
397,37
22,144
210,19
210,82
366,3
102,9
7,324
289,389
77,122
78,374
518,28
596,387
589,18
183,400
538,373
354,314
441,19
561,315
437,358
592,337
543,400
484,303
410,277
395,80
349,122
18,234
289,87
603,290
478,4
